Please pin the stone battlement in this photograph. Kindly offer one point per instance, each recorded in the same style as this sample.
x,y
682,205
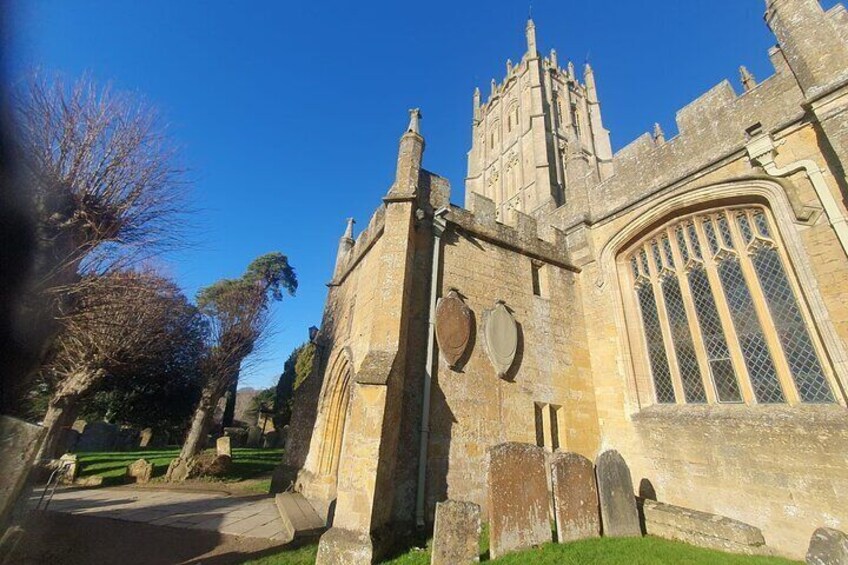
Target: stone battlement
x,y
710,128
521,233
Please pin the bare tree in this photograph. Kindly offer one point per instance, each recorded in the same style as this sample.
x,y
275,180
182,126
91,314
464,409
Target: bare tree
x,y
120,319
105,186
238,315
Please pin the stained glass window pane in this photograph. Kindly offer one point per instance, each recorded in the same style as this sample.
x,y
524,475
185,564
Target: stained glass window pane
x,y
712,238
657,259
754,348
790,327
693,239
745,227
669,258
687,360
634,266
724,377
656,348
762,224
724,229
643,257
681,243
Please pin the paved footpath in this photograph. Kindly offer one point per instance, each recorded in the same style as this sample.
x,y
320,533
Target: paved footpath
x,y
250,516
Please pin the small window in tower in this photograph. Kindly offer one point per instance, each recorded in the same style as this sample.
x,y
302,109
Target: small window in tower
x,y
516,116
509,124
554,427
492,140
539,276
540,426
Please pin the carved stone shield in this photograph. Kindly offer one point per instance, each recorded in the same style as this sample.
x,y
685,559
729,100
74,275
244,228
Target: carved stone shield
x,y
453,327
501,338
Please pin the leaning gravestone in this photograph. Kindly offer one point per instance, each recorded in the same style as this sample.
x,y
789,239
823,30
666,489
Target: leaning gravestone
x,y
254,436
575,497
141,471
828,547
145,437
619,515
456,533
223,446
518,498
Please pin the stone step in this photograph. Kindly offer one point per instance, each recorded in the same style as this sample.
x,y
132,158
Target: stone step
x,y
298,517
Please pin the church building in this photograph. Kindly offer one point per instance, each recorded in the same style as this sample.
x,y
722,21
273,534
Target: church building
x,y
683,301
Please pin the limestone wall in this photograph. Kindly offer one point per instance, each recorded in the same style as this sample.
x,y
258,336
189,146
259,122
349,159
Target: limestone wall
x,y
781,468
472,409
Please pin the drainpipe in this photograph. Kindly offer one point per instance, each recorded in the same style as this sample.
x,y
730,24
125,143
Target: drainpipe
x,y
439,224
762,150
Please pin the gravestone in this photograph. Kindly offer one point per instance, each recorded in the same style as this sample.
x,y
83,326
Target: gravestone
x,y
238,436
828,547
141,471
518,498
69,465
145,437
270,439
619,516
224,446
98,436
254,436
456,533
575,497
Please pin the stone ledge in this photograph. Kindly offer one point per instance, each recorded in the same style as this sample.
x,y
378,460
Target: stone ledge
x,y
701,528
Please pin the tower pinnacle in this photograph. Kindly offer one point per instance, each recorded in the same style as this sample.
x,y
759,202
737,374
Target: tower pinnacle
x,y
531,37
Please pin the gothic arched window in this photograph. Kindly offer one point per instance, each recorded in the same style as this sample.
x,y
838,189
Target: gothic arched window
x,y
719,314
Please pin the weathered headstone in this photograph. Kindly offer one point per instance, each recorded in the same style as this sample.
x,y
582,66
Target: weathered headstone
x,y
619,516
575,497
270,439
456,533
69,468
223,446
238,436
145,437
98,436
254,436
518,498
828,547
141,471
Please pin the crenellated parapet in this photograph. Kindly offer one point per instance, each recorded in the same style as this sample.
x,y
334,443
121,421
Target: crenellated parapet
x,y
711,128
520,233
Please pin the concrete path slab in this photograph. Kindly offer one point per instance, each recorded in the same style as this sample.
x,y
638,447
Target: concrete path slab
x,y
249,516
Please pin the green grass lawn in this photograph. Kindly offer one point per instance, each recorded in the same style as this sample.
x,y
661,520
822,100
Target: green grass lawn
x,y
602,551
247,464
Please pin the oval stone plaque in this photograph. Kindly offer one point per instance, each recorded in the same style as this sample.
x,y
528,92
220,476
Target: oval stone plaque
x,y
501,338
453,327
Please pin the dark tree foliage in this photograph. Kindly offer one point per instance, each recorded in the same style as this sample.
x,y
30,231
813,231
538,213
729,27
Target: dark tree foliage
x,y
295,370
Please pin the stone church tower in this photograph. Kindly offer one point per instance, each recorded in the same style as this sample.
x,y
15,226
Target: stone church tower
x,y
538,140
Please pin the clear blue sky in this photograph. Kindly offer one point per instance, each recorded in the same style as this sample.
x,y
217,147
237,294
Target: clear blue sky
x,y
289,113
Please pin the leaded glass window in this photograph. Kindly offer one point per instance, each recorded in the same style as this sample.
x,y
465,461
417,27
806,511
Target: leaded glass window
x,y
720,319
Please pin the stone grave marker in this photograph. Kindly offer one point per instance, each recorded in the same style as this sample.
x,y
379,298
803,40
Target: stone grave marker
x,y
456,533
141,471
828,547
619,516
518,498
575,497
254,436
145,437
223,446
98,436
